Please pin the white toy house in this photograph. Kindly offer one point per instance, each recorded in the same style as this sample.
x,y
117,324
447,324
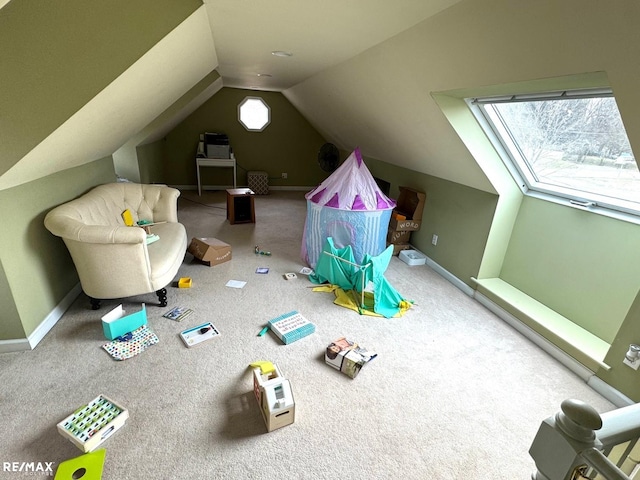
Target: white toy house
x,y
274,396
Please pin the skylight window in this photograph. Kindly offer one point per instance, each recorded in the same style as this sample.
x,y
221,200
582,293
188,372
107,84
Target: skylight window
x,y
568,144
254,114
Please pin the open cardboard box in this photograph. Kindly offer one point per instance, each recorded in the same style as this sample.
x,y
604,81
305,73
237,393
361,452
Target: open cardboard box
x,y
407,216
411,203
210,251
398,247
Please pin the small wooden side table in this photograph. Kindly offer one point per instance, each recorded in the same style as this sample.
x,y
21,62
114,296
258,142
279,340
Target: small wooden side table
x,y
240,206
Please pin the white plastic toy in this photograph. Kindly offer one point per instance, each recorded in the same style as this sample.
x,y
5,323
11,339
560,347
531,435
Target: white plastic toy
x,y
273,394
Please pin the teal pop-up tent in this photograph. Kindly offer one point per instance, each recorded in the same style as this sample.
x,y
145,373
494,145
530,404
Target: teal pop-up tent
x,y
337,266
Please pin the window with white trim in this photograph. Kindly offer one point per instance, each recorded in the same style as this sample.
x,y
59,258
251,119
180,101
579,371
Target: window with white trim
x,y
569,144
254,114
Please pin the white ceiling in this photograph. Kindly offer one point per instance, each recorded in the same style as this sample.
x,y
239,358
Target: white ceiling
x,y
319,34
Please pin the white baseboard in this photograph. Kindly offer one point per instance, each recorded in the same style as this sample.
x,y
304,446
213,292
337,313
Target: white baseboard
x,y
29,343
451,277
607,391
18,345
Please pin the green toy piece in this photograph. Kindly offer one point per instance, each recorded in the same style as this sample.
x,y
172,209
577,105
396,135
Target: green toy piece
x,y
88,467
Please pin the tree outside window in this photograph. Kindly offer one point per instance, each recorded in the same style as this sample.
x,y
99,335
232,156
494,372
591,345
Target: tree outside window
x,y
569,143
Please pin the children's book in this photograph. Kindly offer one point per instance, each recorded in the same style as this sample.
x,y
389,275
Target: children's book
x,y
178,313
196,335
291,326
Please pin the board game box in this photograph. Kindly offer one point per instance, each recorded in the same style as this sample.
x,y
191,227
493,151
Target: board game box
x,y
90,425
291,326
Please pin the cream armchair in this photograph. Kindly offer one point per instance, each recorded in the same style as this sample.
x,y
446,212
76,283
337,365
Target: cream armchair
x,y
112,259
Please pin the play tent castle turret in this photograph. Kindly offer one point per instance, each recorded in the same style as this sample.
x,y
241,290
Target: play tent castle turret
x,y
349,207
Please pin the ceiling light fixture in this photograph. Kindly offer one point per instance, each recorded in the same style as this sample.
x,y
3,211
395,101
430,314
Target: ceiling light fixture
x,y
280,53
264,75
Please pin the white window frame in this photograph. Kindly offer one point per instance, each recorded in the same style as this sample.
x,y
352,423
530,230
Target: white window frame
x,y
505,147
244,122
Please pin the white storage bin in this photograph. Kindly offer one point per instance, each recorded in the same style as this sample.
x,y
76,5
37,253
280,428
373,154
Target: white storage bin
x,y
412,257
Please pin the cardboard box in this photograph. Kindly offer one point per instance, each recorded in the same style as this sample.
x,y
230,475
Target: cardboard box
x,y
412,257
347,356
402,236
404,225
411,203
398,247
210,251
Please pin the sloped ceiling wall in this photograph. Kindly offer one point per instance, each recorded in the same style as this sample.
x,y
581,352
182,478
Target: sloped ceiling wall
x,y
78,94
381,99
72,95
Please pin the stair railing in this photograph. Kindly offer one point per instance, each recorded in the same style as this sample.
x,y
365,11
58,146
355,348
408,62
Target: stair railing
x,y
567,447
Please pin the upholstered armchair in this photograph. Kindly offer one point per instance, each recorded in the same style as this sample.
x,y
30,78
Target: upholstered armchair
x,y
114,260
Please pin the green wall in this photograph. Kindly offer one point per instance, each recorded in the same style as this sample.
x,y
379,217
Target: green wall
x,y
56,56
620,376
10,324
151,162
288,144
461,217
581,265
38,270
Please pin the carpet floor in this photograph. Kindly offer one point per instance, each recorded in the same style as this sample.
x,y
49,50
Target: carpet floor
x,y
453,393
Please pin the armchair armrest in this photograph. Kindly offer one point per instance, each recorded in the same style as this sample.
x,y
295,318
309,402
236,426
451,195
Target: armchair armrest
x,y
72,229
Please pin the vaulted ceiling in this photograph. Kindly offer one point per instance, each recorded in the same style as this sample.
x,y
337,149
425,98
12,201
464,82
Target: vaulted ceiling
x,y
84,79
317,34
341,75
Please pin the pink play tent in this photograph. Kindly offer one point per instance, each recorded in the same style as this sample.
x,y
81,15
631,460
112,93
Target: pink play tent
x,y
350,208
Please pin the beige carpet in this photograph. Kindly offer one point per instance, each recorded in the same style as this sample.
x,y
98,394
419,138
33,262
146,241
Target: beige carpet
x,y
454,392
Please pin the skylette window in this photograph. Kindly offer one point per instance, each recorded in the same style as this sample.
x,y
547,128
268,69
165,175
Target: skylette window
x,y
254,114
571,145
